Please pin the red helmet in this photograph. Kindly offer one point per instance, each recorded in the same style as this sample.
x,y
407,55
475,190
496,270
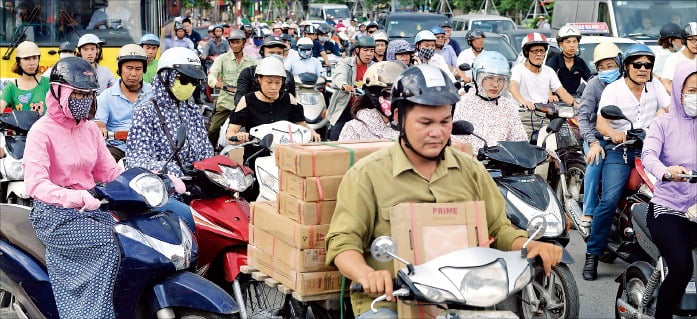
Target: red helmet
x,y
533,39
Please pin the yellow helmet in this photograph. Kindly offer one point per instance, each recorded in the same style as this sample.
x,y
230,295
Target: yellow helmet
x,y
605,50
383,73
27,49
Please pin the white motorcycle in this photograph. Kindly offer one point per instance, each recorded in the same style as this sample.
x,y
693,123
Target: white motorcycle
x,y
309,88
13,138
265,167
471,282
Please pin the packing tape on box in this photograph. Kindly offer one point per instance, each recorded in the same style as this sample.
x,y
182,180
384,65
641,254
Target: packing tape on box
x,y
352,155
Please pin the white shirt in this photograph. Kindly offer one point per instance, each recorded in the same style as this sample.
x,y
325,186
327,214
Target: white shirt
x,y
672,62
535,87
661,57
641,112
296,65
438,61
466,56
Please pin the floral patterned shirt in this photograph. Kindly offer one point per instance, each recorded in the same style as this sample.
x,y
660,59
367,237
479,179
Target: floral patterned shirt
x,y
368,125
493,122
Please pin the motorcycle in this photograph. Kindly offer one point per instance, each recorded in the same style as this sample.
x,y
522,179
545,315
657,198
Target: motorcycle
x,y
639,282
309,90
157,252
527,195
471,282
561,135
13,137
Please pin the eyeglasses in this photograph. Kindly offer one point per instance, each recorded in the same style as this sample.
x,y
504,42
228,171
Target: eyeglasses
x,y
646,65
691,40
371,32
386,94
538,51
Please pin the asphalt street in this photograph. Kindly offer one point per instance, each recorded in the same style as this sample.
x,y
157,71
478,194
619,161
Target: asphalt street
x,y
597,297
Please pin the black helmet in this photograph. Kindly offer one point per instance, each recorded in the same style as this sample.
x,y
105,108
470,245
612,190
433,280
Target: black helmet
x,y
258,33
670,30
365,42
372,24
310,29
66,47
75,72
411,86
324,29
472,35
273,41
689,30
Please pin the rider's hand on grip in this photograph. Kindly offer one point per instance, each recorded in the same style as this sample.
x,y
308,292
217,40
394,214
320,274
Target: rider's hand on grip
x,y
377,282
178,184
88,201
549,253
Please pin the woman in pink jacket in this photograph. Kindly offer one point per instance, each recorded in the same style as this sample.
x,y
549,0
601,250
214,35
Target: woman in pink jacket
x,y
65,155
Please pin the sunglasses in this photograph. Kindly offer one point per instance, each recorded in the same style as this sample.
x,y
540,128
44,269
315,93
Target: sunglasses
x,y
185,80
646,65
386,94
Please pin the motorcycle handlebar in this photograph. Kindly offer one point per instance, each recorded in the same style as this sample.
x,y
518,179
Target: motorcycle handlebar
x,y
357,287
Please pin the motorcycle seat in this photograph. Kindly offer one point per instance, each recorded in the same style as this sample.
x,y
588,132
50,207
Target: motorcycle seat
x,y
16,228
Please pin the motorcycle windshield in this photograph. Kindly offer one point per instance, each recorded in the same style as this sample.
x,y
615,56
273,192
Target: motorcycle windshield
x,y
521,154
15,145
20,121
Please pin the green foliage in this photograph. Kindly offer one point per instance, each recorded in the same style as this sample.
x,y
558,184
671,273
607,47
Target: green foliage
x,y
201,4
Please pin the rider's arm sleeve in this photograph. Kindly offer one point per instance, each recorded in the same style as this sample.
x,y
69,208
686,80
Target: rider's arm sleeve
x,y
653,146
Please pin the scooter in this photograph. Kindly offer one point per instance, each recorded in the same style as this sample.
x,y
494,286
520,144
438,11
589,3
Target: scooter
x,y
527,195
638,284
13,137
310,93
470,282
156,249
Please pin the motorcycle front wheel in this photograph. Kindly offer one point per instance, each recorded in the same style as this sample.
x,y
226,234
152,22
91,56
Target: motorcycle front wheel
x,y
557,295
14,302
261,300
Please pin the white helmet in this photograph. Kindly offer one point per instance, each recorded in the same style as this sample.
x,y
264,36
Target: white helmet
x,y
380,35
568,31
305,41
88,38
27,49
424,35
270,66
182,60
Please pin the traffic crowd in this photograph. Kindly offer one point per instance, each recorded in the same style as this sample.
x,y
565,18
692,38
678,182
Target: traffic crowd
x,y
253,68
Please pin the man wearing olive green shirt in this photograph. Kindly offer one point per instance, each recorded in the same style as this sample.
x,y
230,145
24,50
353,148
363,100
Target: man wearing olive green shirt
x,y
418,168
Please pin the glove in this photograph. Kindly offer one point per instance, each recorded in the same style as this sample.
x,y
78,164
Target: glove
x,y
178,184
88,201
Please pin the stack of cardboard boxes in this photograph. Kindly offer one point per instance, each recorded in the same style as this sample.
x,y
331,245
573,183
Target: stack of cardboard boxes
x,y
287,237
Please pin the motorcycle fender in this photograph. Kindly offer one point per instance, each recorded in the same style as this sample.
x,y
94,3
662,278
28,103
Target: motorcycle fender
x,y
232,261
18,188
188,290
30,276
642,266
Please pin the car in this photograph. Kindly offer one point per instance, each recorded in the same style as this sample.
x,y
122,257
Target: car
x,y
492,41
484,22
405,25
515,37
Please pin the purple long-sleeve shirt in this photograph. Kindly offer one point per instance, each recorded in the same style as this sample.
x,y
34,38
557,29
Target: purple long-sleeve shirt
x,y
672,140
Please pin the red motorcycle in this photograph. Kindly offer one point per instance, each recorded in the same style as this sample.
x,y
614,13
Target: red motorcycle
x,y
222,231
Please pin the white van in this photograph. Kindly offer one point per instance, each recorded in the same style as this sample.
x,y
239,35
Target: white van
x,y
320,11
637,19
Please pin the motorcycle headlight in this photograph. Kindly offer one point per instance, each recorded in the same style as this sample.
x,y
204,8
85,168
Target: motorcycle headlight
x,y
180,255
482,286
434,294
151,187
566,112
236,179
13,169
266,179
524,279
308,98
552,213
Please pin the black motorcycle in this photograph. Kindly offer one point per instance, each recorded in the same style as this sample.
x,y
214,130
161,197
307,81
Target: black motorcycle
x,y
511,165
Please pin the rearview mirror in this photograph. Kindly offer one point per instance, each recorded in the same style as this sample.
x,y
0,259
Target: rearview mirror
x,y
266,141
612,112
554,125
462,128
536,227
383,248
464,67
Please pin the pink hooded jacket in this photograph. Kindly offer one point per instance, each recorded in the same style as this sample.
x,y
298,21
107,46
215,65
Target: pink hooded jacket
x,y
63,157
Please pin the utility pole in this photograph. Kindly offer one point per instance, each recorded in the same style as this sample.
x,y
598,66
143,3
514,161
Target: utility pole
x,y
488,7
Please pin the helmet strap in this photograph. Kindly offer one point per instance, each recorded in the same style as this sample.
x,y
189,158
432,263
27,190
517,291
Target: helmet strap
x,y
484,97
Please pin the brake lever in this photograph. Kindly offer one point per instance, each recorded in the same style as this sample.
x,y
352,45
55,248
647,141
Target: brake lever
x,y
401,292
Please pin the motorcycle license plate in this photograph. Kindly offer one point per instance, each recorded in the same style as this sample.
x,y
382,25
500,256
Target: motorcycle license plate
x,y
478,314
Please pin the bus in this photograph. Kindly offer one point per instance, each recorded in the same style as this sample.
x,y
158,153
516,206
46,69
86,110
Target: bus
x,y
51,22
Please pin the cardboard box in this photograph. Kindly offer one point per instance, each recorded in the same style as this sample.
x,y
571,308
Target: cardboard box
x,y
324,159
304,283
306,213
302,260
310,188
424,231
265,216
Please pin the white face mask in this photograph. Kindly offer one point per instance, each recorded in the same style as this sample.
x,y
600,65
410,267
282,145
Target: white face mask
x,y
690,104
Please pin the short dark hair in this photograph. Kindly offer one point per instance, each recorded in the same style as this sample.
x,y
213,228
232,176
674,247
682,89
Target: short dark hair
x,y
186,20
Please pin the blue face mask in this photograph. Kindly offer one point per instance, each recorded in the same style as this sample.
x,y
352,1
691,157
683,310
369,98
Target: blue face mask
x,y
609,76
258,42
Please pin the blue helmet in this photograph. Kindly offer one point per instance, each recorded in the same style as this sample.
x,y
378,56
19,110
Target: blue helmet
x,y
424,35
490,62
637,50
437,30
150,39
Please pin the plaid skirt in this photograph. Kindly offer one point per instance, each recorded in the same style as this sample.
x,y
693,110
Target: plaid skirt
x,y
81,257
